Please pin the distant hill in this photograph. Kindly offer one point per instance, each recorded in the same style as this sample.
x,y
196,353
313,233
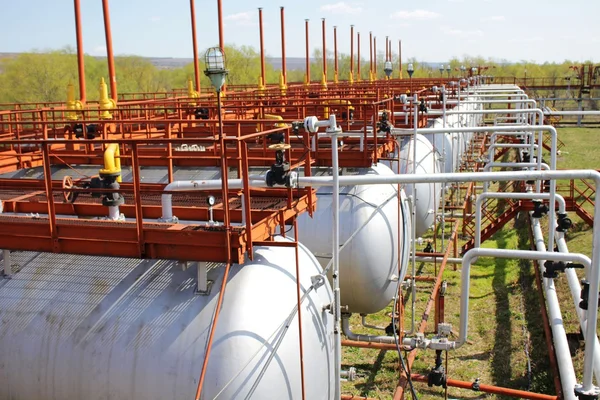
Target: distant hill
x,y
293,63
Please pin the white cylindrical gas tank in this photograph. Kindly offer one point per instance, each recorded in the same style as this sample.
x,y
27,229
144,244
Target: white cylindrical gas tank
x,y
94,328
369,262
444,145
428,195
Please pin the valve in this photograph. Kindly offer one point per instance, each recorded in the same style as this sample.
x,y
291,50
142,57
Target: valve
x,y
563,222
437,374
553,267
201,113
585,295
85,131
539,209
591,394
279,174
107,181
428,248
105,103
384,122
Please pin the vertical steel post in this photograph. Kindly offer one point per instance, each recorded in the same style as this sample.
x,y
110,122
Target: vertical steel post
x,y
358,55
109,51
352,50
283,64
307,52
370,52
195,44
375,56
324,51
262,47
220,17
80,63
400,58
335,56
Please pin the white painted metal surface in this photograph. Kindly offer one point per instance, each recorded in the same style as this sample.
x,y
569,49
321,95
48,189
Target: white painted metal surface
x,y
369,261
91,328
428,195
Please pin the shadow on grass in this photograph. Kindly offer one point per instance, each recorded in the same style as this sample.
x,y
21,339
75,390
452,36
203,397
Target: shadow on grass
x,y
371,370
501,359
541,374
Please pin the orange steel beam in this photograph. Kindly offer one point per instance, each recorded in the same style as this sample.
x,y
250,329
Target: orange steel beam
x,y
489,389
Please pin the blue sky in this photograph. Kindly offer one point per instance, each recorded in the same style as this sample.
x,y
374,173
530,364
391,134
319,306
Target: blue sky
x,y
434,30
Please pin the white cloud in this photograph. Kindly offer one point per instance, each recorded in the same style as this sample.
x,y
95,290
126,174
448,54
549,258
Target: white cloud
x,y
154,19
456,1
470,34
420,15
494,18
341,8
99,51
246,18
241,16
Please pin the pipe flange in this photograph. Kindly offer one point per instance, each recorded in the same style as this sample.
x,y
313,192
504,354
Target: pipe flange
x,y
591,394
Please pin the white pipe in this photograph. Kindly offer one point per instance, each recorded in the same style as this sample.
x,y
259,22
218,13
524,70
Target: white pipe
x,y
364,338
559,336
562,349
363,321
552,112
113,213
449,260
593,272
414,221
333,130
208,184
503,195
575,288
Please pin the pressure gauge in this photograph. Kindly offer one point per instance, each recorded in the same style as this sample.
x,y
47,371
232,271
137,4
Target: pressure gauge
x,y
210,200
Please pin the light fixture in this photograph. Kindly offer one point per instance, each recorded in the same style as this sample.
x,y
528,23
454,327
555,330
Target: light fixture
x,y
214,60
410,69
387,68
441,69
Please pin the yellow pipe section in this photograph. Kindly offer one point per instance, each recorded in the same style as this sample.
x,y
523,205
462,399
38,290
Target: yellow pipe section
x,y
261,86
274,117
192,94
112,161
282,85
106,103
323,83
72,105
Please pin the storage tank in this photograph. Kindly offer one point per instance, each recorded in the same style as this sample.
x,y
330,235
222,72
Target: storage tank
x,y
444,144
428,195
369,262
76,327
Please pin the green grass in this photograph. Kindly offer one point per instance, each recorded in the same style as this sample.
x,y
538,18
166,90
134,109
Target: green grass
x,y
505,317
